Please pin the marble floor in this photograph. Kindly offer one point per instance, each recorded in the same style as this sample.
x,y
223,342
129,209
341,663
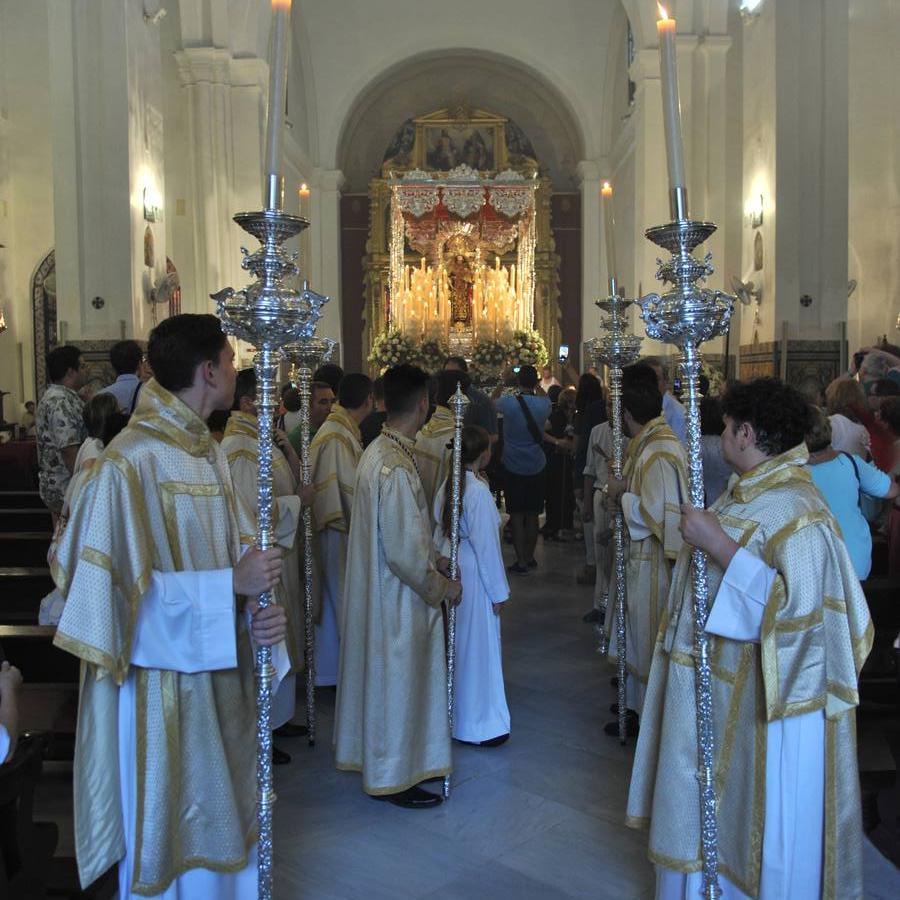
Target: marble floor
x,y
535,819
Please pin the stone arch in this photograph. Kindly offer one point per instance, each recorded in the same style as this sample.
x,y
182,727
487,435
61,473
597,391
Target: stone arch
x,y
481,79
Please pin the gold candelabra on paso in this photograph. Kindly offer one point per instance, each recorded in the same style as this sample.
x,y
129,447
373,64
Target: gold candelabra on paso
x,y
433,302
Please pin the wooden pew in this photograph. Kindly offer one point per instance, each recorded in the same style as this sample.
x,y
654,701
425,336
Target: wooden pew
x,y
21,500
28,549
15,521
21,591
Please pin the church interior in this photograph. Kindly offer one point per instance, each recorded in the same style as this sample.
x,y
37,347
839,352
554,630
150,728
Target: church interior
x,y
474,177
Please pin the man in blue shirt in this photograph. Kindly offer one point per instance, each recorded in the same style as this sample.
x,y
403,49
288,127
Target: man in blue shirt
x,y
524,461
127,359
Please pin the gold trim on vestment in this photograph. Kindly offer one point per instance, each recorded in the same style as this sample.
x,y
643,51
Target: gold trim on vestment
x,y
394,789
168,491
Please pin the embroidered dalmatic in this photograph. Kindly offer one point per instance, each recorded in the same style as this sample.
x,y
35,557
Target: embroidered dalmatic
x,y
241,447
655,471
433,451
165,752
334,455
784,699
391,714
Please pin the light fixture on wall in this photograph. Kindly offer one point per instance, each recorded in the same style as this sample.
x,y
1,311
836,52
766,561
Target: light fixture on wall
x,y
152,205
754,211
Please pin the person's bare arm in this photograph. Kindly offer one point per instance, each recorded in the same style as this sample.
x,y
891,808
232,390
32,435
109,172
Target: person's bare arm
x,y
10,685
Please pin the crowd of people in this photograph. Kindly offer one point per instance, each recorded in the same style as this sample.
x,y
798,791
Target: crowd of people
x,y
153,487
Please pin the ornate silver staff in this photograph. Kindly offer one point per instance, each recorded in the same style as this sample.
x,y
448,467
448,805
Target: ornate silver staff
x,y
267,314
307,355
617,348
687,316
458,403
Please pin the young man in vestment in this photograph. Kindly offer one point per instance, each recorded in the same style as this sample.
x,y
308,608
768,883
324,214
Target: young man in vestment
x,y
434,437
789,630
155,579
321,399
391,715
334,455
241,446
651,491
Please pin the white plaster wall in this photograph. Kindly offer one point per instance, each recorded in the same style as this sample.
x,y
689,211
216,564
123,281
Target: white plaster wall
x,y
26,186
874,220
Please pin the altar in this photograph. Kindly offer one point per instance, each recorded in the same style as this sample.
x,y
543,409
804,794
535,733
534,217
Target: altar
x,y
470,267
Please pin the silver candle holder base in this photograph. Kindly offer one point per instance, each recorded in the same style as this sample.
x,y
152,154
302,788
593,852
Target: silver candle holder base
x,y
687,316
617,348
307,354
267,314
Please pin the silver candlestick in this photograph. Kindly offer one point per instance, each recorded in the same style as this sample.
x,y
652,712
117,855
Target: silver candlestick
x,y
458,403
267,314
307,355
617,348
686,316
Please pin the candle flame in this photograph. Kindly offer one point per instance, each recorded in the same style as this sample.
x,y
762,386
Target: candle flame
x,y
606,187
663,15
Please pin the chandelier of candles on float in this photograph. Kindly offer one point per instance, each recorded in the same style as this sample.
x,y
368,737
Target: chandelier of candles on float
x,y
453,290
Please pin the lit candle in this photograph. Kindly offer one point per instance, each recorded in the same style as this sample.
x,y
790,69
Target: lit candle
x,y
606,192
281,16
668,70
303,195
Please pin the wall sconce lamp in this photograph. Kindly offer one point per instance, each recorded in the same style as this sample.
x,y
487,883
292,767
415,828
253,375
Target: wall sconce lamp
x,y
152,205
754,211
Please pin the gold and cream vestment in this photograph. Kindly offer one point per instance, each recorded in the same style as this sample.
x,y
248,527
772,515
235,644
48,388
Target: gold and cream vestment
x,y
391,715
815,635
433,451
655,471
159,501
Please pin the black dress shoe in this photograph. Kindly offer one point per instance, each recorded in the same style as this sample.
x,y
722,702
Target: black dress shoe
x,y
289,729
495,741
532,563
279,757
412,798
614,709
592,616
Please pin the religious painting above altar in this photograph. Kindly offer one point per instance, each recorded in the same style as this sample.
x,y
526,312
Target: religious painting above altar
x,y
460,256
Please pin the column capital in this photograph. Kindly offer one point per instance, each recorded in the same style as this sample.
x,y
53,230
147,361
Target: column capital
x,y
197,65
588,170
328,179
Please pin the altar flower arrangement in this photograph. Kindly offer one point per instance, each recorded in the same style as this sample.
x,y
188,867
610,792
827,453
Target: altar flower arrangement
x,y
432,354
527,348
716,378
390,348
488,358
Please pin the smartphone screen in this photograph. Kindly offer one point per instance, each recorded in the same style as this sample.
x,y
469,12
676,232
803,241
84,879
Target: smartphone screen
x,y
516,369
563,352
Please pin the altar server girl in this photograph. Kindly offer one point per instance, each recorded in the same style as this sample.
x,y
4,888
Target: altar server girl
x,y
480,713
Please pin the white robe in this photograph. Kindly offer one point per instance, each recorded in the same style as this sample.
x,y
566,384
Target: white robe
x,y
185,624
792,852
480,711
328,640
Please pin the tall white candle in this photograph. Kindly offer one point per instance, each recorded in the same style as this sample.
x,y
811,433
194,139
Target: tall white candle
x,y
668,70
606,193
278,68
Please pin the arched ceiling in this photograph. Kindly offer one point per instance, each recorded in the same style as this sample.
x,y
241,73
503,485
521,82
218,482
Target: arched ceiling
x,y
475,79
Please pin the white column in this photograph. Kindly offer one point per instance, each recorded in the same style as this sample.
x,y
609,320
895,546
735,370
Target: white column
x,y
592,272
106,102
325,247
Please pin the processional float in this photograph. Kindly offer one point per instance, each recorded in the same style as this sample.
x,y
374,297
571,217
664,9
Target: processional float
x,y
458,403
269,314
687,315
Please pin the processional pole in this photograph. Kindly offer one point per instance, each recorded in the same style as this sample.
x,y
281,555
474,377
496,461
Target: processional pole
x,y
687,316
268,314
307,354
458,403
617,348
